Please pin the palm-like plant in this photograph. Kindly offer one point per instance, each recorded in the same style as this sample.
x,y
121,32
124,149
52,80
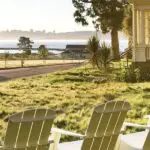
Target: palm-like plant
x,y
93,48
105,55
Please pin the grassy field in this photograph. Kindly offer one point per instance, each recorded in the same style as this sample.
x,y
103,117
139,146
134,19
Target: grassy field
x,y
17,63
73,94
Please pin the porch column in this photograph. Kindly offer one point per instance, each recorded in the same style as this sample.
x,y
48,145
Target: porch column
x,y
142,32
138,26
134,26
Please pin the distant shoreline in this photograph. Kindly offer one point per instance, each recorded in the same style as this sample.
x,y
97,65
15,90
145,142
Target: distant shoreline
x,y
39,35
53,44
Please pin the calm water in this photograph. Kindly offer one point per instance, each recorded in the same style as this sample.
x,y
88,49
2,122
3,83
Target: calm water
x,y
50,44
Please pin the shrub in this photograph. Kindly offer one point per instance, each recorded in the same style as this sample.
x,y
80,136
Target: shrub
x,y
129,75
145,76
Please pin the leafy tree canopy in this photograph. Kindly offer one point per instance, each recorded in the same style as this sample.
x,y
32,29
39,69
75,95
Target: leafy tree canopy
x,y
43,51
127,24
107,14
25,44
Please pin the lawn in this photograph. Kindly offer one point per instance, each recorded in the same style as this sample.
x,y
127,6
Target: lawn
x,y
73,94
17,63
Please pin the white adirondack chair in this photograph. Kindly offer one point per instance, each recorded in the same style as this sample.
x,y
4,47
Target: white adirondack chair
x,y
138,140
29,130
103,130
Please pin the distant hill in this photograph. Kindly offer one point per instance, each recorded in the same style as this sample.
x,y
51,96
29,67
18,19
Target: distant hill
x,y
39,35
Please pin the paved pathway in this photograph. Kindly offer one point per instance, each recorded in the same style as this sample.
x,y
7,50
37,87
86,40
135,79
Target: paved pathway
x,y
25,72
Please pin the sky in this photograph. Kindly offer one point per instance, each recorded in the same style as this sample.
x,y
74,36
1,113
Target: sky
x,y
46,15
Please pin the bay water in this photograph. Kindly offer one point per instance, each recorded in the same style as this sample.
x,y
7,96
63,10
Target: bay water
x,y
60,44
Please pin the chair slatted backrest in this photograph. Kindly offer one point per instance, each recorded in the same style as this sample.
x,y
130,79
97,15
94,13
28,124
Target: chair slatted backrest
x,y
29,130
105,125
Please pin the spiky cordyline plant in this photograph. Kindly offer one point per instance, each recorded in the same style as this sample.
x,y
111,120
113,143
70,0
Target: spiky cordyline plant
x,y
93,48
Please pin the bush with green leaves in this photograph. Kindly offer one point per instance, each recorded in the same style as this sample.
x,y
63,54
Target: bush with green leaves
x,y
145,76
129,75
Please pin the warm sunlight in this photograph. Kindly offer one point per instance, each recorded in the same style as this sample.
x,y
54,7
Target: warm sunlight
x,y
75,74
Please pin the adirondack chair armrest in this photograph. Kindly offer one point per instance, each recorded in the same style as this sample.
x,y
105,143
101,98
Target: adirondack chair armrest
x,y
61,131
56,135
127,124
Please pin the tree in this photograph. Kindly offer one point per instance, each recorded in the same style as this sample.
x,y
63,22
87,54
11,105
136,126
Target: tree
x,y
25,45
93,48
127,29
127,23
106,14
43,52
6,56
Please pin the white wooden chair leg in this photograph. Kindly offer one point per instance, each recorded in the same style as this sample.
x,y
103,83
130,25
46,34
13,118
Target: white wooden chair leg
x,y
56,137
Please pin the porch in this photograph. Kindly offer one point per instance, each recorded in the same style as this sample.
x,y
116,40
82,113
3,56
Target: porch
x,y
141,30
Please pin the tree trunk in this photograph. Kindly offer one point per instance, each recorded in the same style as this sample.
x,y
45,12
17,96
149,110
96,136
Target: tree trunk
x,y
5,63
115,44
22,61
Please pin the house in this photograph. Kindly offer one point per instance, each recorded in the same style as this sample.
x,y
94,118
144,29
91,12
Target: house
x,y
76,51
141,33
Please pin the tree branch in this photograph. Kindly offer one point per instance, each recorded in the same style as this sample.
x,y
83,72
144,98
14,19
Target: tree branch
x,y
90,1
86,1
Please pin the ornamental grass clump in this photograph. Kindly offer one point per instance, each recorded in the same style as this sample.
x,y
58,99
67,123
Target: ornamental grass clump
x,y
100,54
105,55
93,48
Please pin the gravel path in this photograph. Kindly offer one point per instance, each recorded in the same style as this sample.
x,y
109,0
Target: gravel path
x,y
10,74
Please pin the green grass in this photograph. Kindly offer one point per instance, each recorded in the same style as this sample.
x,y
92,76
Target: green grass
x,y
73,94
